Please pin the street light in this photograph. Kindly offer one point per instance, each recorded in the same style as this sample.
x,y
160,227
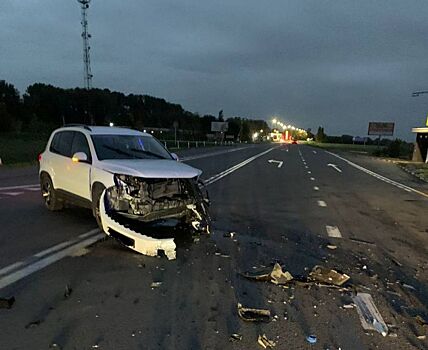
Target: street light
x,y
111,124
274,120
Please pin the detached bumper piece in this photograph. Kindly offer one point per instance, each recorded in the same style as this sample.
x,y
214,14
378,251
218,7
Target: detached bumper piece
x,y
134,209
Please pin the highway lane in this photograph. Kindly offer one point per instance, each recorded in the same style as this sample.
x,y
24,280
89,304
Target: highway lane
x,y
28,228
277,216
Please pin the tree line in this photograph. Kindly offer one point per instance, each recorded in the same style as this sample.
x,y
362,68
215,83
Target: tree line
x,y
43,108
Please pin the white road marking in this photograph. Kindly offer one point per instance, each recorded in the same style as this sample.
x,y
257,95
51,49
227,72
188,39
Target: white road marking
x,y
89,233
322,203
333,231
53,249
211,154
13,194
335,167
11,267
309,172
279,162
312,179
33,189
306,167
219,176
315,152
17,187
316,188
380,177
42,263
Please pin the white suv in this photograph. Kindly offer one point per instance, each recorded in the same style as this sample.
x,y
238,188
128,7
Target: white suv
x,y
131,182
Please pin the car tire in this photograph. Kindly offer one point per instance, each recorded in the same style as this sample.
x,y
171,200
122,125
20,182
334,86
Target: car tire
x,y
96,195
50,195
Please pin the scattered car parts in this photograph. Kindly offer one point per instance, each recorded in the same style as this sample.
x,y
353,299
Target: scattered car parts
x,y
253,315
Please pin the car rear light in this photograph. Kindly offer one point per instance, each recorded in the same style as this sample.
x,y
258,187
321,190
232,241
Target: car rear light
x,y
39,157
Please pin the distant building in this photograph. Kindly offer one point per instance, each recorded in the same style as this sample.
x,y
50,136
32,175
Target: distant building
x,y
420,152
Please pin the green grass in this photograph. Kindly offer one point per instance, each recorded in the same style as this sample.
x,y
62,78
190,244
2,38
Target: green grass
x,y
21,149
419,169
369,149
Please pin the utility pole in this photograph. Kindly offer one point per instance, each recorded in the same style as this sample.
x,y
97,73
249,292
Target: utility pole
x,y
87,77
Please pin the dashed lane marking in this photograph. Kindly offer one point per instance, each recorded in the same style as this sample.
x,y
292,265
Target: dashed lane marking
x,y
322,203
380,177
333,231
18,187
316,188
312,179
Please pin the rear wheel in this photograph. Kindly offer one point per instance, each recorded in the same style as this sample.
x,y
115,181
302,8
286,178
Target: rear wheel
x,y
96,196
50,196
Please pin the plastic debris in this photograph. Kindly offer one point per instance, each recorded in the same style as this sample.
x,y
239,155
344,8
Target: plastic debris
x,y
67,291
421,320
312,339
326,275
155,284
370,317
253,315
6,303
265,342
276,275
235,337
229,234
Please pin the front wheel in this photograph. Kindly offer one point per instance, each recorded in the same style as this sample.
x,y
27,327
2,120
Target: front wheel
x,y
96,196
50,196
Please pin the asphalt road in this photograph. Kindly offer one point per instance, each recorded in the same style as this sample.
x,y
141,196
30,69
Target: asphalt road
x,y
279,214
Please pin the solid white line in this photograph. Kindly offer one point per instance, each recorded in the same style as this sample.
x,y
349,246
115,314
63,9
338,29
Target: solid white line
x,y
333,231
219,176
33,189
380,177
42,263
322,203
316,188
206,155
17,187
13,194
11,267
66,243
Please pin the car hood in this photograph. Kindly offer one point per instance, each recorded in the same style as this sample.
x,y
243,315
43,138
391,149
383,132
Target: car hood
x,y
150,168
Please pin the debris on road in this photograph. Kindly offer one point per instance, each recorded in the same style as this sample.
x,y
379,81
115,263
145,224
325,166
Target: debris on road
x,y
331,246
235,337
356,240
265,342
67,291
276,275
253,315
329,276
6,303
312,339
155,285
229,234
33,324
370,316
422,321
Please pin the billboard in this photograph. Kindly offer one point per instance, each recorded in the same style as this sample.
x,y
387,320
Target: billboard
x,y
219,126
381,128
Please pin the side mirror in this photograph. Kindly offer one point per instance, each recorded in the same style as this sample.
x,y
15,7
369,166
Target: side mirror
x,y
79,157
175,156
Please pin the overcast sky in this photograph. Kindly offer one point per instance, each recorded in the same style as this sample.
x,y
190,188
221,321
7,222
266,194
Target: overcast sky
x,y
339,64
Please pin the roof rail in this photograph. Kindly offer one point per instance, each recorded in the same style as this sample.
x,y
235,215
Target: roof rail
x,y
77,125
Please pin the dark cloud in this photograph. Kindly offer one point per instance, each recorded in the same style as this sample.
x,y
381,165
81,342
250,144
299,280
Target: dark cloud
x,y
337,63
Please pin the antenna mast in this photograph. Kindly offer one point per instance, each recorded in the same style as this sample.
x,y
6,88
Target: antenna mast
x,y
87,77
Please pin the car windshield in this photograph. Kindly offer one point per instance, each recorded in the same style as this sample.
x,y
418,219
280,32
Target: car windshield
x,y
128,147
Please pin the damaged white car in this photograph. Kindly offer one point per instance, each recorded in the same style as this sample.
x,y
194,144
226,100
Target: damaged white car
x,y
138,191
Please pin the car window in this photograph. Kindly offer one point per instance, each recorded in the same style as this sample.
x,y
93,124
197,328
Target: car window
x,y
61,143
80,144
128,147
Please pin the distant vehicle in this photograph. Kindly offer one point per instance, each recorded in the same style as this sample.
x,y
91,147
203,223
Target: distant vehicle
x,y
127,177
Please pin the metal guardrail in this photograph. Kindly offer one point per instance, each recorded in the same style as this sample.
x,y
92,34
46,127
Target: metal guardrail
x,y
180,144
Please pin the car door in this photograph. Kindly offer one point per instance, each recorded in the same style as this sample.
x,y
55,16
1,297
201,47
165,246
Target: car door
x,y
60,158
78,173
